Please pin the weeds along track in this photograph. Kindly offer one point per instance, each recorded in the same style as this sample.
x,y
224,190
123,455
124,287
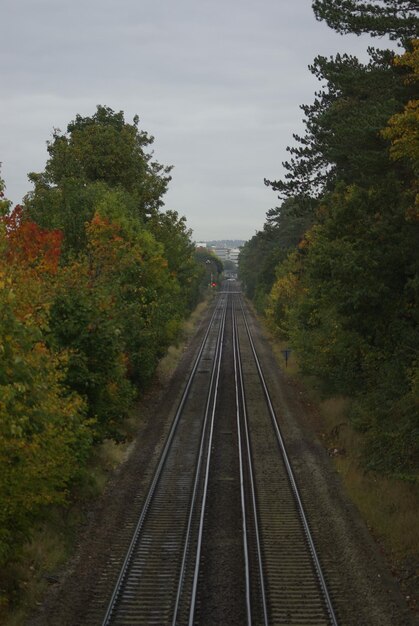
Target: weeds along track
x,y
222,537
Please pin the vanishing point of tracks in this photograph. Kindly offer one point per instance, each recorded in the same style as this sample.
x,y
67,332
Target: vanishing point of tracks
x,y
222,537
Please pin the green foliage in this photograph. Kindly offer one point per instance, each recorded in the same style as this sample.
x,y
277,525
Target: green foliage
x,y
347,299
260,255
4,203
147,294
171,231
348,303
44,438
82,321
402,129
94,283
342,139
104,148
97,154
102,189
396,18
67,207
359,261
285,292
229,265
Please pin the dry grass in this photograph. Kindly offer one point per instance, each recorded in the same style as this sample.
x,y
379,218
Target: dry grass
x,y
32,573
106,457
390,507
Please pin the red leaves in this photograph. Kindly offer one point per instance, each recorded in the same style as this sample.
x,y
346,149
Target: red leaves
x,y
30,245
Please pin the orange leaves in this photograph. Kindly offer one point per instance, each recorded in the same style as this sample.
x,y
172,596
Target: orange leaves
x,y
107,245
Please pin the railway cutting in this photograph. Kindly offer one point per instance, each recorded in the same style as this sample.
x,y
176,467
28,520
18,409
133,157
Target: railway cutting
x,y
222,537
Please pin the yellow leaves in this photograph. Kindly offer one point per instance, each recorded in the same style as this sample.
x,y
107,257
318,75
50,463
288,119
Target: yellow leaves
x,y
403,128
410,59
285,290
39,420
403,132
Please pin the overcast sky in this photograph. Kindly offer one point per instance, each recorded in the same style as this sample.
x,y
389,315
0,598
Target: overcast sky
x,y
217,82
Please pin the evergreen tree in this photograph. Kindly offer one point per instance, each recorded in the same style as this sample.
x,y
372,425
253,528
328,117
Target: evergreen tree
x,y
396,18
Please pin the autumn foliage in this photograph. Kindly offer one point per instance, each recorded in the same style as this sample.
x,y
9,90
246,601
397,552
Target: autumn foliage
x,y
29,245
94,283
43,436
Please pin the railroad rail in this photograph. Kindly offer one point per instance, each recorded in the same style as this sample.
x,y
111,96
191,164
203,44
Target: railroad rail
x,y
211,450
295,588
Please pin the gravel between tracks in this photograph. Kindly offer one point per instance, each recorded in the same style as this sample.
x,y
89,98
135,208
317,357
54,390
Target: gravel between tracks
x,y
366,593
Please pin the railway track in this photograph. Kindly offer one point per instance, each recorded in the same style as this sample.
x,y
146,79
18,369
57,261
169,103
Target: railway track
x,y
222,537
293,586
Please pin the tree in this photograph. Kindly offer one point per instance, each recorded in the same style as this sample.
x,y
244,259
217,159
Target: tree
x,y
4,202
44,438
129,265
211,266
348,299
172,232
354,320
94,282
106,148
403,129
229,265
342,139
260,256
30,245
83,322
396,18
97,154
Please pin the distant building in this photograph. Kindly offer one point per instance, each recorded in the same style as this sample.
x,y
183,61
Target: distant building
x,y
234,255
226,254
222,253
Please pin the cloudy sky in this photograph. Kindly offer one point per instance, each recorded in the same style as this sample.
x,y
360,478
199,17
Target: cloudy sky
x,y
217,82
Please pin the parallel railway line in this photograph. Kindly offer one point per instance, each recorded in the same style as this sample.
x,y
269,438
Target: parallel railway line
x,y
225,446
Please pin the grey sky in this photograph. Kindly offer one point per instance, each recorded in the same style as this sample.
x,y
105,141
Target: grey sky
x,y
217,82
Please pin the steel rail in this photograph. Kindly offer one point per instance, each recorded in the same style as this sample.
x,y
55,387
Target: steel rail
x,y
241,471
242,419
211,399
300,507
163,457
205,491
